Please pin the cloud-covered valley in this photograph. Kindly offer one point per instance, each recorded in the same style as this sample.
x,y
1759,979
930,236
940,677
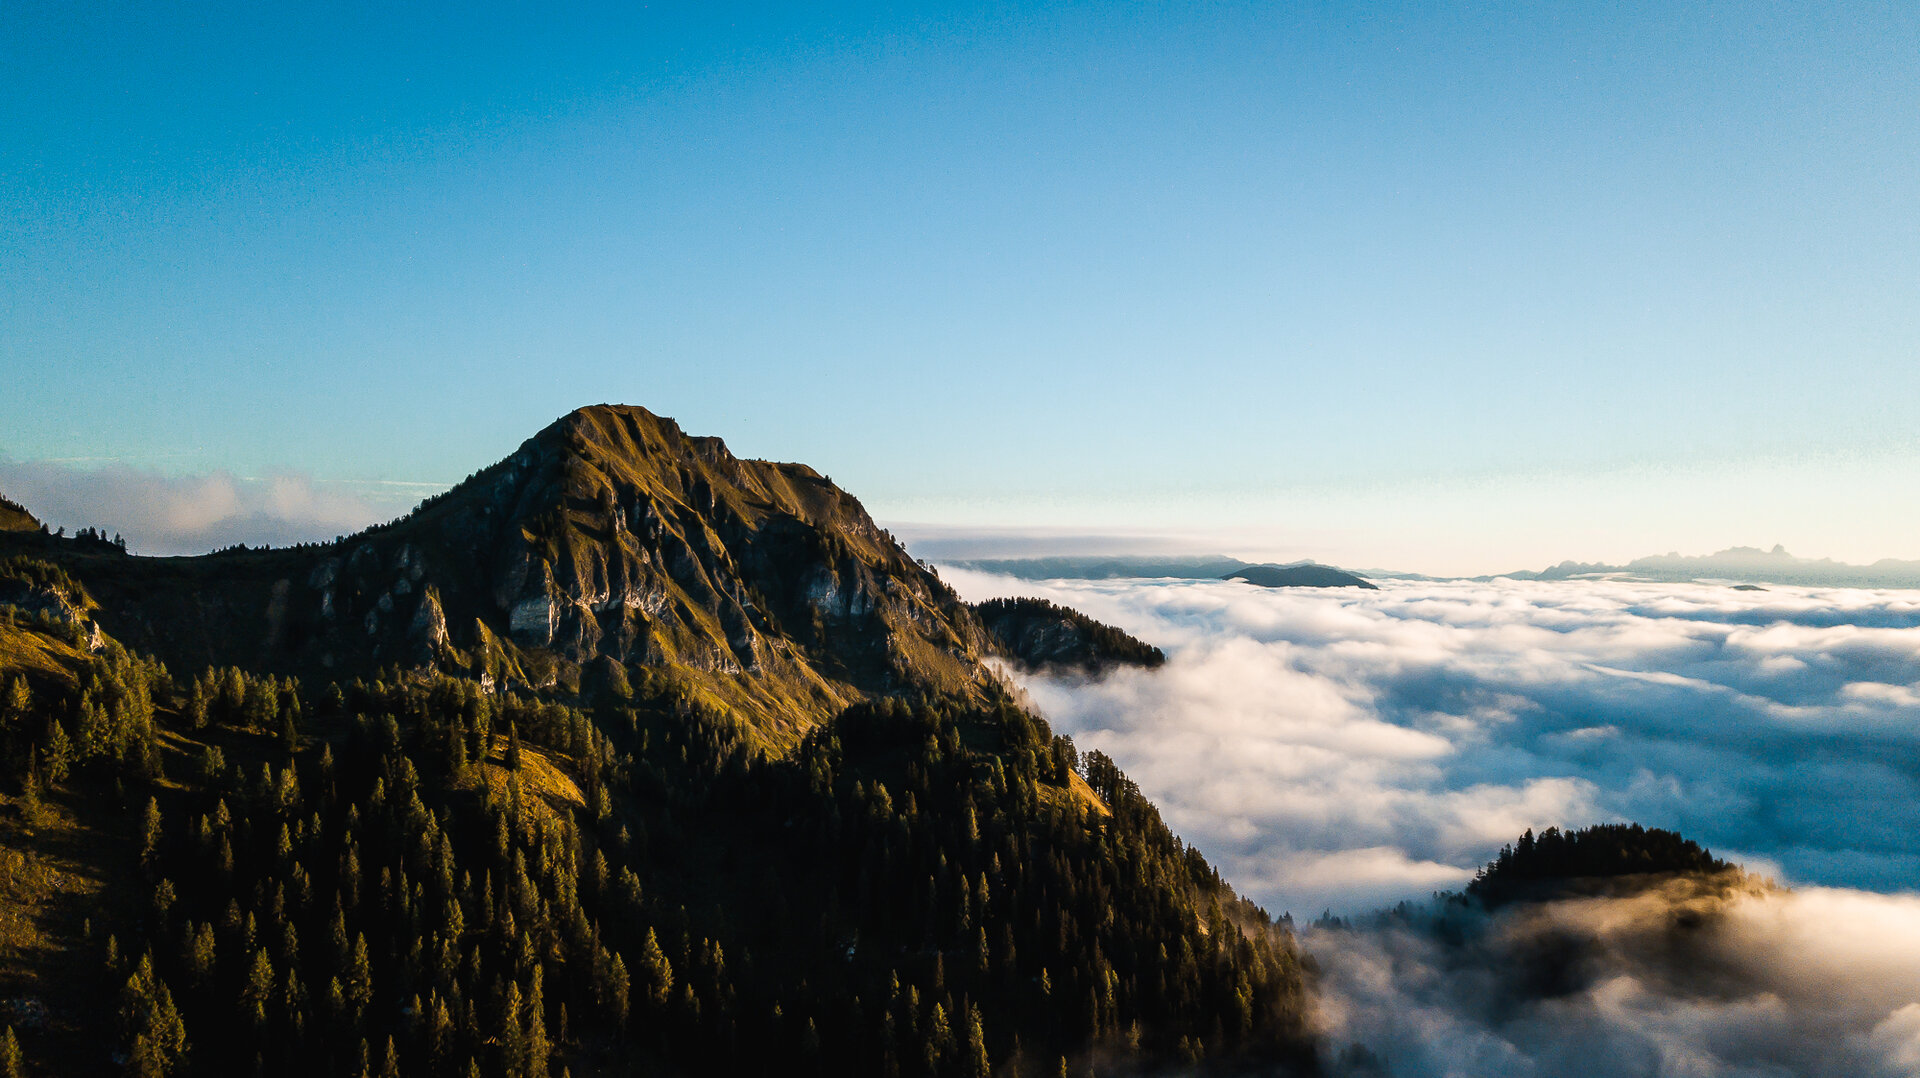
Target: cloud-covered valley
x,y
1684,980
1347,750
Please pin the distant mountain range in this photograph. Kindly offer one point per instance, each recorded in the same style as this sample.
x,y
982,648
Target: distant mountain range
x,y
1298,574
1735,565
1741,564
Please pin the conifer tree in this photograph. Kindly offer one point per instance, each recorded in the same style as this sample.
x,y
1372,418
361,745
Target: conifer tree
x,y
150,832
156,1037
12,1062
656,973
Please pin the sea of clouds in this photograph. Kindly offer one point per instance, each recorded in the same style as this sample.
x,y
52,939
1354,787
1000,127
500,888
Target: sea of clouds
x,y
1343,749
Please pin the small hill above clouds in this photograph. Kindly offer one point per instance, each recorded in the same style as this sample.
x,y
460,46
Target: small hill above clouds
x,y
1041,635
1299,575
1558,864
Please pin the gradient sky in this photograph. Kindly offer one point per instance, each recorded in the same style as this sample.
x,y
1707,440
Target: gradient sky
x,y
1447,288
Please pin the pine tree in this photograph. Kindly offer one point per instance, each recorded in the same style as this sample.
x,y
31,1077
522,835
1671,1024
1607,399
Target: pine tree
x,y
977,1066
939,1039
513,1035
258,989
150,832
538,1048
58,752
656,973
19,698
156,1037
12,1062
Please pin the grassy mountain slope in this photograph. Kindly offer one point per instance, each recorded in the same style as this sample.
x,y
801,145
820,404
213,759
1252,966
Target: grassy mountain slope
x,y
15,518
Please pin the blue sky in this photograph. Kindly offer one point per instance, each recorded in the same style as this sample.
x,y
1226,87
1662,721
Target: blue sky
x,y
1441,287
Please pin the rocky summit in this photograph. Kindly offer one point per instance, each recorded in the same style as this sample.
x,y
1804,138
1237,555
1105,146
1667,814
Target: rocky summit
x,y
609,543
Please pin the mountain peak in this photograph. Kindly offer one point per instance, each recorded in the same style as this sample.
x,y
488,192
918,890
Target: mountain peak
x,y
608,543
613,428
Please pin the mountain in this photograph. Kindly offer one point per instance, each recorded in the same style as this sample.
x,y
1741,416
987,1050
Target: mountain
x,y
609,542
1299,575
1040,635
623,756
1744,564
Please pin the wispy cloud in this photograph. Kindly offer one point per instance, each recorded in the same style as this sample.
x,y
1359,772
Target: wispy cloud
x,y
162,514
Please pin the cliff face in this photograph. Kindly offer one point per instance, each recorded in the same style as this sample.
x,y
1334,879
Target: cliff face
x,y
609,543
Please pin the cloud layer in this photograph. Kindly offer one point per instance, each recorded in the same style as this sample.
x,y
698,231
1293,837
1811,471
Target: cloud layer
x,y
1349,749
1683,982
160,514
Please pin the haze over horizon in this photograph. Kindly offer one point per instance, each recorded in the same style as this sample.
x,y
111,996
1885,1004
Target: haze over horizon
x,y
1448,291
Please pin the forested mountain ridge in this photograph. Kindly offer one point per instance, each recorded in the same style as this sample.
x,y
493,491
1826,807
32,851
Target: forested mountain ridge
x,y
453,860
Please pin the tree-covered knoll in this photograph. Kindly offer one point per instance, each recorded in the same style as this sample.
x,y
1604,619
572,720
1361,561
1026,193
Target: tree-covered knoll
x,y
1040,634
1542,865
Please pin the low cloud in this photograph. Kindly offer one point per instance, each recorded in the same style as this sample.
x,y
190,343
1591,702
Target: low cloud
x,y
161,514
1689,979
1345,749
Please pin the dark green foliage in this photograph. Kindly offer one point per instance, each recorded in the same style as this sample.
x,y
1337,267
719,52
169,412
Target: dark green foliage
x,y
101,723
354,881
1550,863
37,573
396,822
960,869
1038,633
